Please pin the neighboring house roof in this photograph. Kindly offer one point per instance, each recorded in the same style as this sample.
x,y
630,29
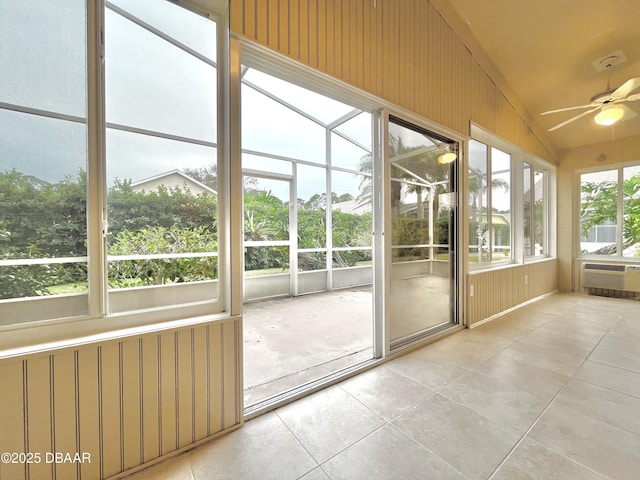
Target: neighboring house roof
x,y
498,218
538,191
501,219
172,179
352,206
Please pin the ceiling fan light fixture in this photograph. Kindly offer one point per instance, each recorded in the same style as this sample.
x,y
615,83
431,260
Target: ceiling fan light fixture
x,y
447,157
609,115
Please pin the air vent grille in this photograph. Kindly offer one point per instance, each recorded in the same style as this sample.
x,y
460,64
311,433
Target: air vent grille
x,y
605,266
611,279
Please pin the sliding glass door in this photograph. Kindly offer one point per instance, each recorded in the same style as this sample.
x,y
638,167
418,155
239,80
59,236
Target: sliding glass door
x,y
306,160
422,209
349,233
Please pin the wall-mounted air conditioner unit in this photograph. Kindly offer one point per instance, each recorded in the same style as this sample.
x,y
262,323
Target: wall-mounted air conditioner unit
x,y
609,279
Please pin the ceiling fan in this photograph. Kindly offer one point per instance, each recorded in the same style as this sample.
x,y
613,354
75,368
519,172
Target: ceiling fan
x,y
608,102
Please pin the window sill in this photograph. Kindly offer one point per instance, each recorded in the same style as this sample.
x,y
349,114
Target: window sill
x,y
485,267
473,270
31,339
541,258
608,259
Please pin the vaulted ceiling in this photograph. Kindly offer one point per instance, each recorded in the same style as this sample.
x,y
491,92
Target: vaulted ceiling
x,y
545,51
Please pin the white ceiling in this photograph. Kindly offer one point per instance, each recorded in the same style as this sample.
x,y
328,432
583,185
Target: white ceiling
x,y
545,49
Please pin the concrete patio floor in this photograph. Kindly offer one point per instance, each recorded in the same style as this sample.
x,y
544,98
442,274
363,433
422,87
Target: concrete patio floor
x,y
291,341
294,340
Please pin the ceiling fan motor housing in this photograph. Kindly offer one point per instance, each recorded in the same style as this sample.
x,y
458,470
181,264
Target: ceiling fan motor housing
x,y
602,98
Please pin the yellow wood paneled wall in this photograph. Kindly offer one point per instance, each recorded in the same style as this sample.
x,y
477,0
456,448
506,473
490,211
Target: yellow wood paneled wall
x,y
400,50
495,291
123,402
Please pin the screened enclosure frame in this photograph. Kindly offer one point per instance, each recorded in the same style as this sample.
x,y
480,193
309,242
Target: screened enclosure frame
x,y
330,250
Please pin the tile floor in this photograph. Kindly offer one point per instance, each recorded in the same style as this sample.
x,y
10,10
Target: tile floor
x,y
549,391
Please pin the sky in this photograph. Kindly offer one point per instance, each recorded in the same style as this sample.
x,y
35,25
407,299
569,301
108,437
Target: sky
x,y
151,85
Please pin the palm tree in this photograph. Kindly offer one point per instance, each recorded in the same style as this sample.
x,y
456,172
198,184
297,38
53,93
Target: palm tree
x,y
415,168
477,189
365,189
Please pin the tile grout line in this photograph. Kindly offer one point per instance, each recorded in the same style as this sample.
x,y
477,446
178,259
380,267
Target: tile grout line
x,y
535,422
318,464
433,392
390,424
425,447
574,462
386,423
298,440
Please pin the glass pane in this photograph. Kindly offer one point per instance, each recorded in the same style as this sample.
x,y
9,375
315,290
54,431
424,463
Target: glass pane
x,y
410,222
539,209
266,210
308,261
153,271
312,204
162,193
322,108
358,129
265,164
527,199
43,161
599,212
352,258
36,280
270,127
422,211
401,254
265,260
137,158
162,209
345,154
500,205
346,188
478,220
43,55
47,149
631,208
444,202
311,184
352,218
154,85
194,31
39,219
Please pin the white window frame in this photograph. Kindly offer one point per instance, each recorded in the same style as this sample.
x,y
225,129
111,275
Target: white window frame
x,y
537,164
55,318
491,142
619,169
518,158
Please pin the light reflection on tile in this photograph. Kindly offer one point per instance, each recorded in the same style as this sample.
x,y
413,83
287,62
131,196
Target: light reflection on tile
x,y
532,461
388,453
329,421
400,392
598,445
549,392
466,440
264,448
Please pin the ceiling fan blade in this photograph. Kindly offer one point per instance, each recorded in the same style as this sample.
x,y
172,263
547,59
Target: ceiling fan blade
x,y
631,98
629,113
573,119
567,109
626,88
